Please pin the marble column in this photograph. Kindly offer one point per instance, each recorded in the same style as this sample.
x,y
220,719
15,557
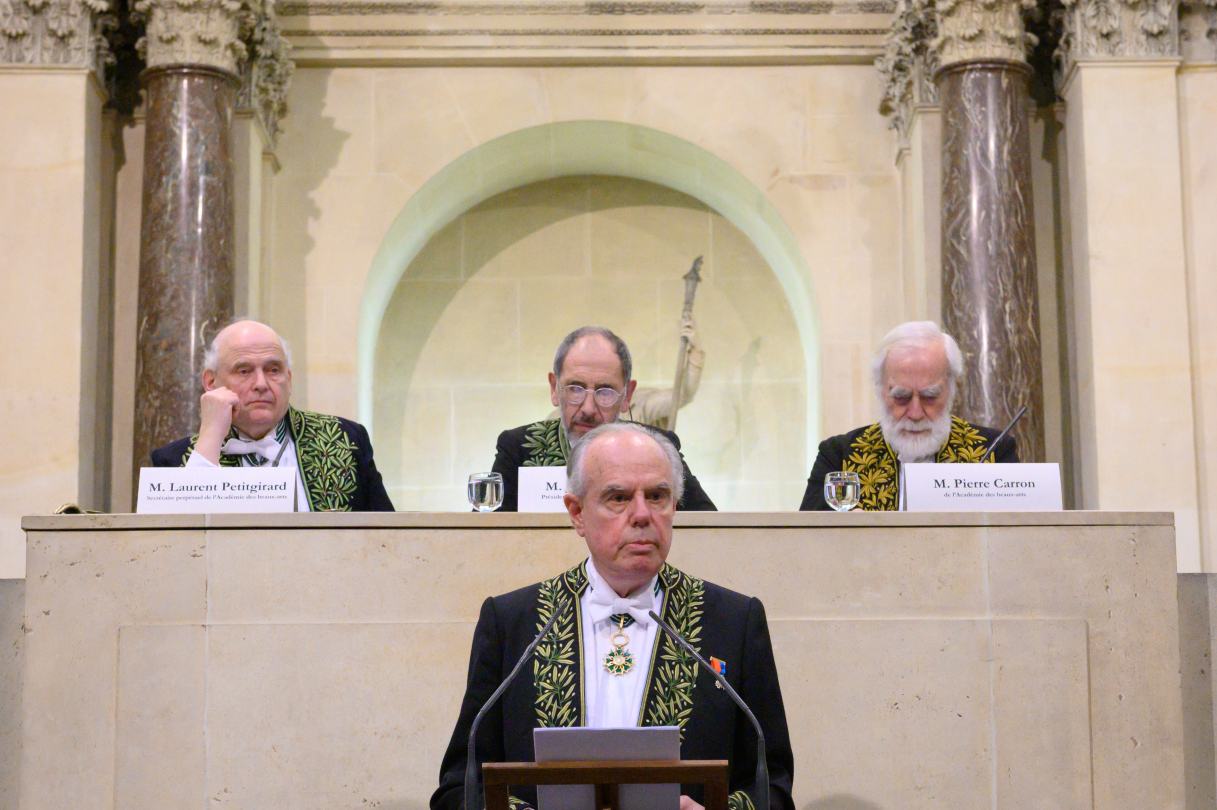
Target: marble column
x,y
989,298
186,239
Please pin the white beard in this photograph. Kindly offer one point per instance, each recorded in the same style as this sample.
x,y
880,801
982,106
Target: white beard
x,y
911,440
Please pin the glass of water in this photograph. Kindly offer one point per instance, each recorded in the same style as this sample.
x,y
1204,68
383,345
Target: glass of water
x,y
841,490
486,491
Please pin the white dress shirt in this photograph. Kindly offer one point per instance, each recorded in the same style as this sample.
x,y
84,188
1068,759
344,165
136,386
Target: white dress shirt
x,y
615,701
268,448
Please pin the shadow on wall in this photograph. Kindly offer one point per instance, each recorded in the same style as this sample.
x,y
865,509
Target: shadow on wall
x,y
841,802
306,131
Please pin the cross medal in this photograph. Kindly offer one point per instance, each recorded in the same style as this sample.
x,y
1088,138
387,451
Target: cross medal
x,y
620,660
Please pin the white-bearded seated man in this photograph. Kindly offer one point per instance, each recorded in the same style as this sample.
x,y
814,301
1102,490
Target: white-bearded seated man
x,y
623,484
915,370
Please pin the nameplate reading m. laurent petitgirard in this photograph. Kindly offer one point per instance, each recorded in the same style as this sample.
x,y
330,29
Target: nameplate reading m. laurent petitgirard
x,y
982,487
540,489
213,490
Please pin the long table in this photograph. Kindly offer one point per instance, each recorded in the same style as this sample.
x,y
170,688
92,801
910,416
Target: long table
x,y
318,660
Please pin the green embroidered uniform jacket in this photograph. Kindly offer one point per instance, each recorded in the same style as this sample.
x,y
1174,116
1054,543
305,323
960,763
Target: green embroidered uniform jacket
x,y
867,453
334,456
718,622
543,444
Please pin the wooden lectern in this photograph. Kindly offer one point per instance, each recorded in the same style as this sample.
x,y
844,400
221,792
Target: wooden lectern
x,y
498,777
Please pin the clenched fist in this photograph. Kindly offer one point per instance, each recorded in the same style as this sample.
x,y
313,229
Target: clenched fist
x,y
217,408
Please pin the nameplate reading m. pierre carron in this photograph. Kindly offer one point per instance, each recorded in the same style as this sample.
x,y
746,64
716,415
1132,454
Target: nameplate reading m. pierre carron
x,y
541,489
982,487
212,490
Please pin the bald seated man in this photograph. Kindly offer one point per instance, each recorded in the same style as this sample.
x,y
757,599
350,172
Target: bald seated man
x,y
591,386
606,663
916,370
246,420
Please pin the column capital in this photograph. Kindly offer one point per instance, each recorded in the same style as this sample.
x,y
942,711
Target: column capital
x,y
206,33
1198,31
267,70
1107,29
240,37
908,63
973,30
53,32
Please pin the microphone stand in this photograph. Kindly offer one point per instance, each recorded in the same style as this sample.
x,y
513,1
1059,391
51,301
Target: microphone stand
x,y
762,761
1002,435
471,774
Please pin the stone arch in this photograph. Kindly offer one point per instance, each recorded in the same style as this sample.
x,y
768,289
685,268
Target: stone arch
x,y
588,148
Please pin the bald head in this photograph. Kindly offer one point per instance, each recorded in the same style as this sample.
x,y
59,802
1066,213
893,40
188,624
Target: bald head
x,y
622,488
241,331
251,360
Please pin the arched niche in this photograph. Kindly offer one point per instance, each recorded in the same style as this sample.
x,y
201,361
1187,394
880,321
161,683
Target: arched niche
x,y
580,149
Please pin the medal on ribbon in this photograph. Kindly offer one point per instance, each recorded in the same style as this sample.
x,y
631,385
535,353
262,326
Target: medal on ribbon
x,y
619,661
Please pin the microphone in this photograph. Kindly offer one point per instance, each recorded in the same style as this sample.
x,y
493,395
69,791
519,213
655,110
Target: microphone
x,y
1002,435
471,770
762,762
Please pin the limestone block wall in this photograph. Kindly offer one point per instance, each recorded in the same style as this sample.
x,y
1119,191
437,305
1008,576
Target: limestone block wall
x,y
470,333
52,236
359,143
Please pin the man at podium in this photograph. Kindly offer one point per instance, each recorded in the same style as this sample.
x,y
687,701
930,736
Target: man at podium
x,y
915,370
606,663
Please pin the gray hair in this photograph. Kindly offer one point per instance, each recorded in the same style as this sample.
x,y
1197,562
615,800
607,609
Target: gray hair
x,y
911,334
619,347
576,483
211,357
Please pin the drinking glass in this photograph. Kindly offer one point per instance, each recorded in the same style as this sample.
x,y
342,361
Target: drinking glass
x,y
486,491
841,490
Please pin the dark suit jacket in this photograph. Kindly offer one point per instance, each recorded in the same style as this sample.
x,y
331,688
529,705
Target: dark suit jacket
x,y
510,454
732,628
836,449
349,460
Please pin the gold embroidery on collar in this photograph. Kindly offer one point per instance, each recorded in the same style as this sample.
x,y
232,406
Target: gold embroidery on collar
x,y
873,460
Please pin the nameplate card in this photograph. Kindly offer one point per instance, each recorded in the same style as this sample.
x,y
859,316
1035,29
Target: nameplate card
x,y
982,487
216,490
540,489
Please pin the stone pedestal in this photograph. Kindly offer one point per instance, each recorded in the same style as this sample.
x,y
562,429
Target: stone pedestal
x,y
927,661
186,246
989,299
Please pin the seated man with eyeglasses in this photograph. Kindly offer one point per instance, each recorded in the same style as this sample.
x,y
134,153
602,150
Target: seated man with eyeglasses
x,y
590,385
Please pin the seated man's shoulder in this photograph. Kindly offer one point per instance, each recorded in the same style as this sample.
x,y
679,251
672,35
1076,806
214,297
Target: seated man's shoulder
x,y
311,421
667,434
518,434
173,454
849,438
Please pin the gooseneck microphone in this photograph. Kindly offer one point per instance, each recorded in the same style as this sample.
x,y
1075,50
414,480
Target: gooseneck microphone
x,y
471,769
1002,435
762,762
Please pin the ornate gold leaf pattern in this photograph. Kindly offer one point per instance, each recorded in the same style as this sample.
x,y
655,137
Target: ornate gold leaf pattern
x,y
873,460
326,458
546,444
740,800
556,662
668,698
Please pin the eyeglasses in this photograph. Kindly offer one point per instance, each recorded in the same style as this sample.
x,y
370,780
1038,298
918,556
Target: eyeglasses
x,y
605,397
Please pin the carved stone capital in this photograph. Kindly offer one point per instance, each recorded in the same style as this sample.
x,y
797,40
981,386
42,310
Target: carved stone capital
x,y
1198,30
52,32
1101,29
193,32
970,30
908,63
268,69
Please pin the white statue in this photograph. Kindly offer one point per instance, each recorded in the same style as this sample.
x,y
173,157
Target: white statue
x,y
654,406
